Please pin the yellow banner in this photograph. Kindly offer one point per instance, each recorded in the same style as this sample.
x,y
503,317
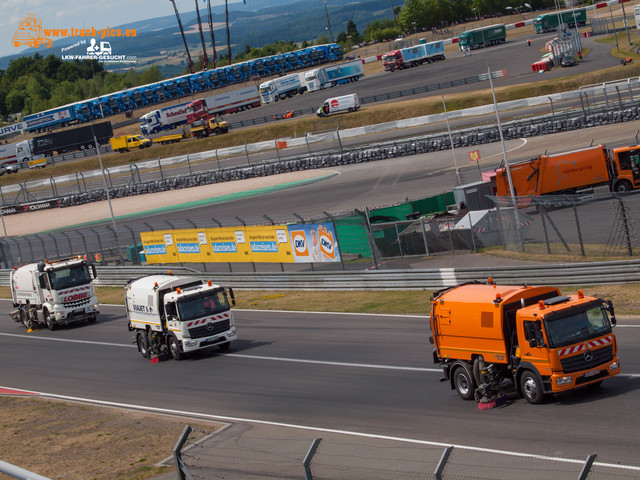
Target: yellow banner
x,y
259,244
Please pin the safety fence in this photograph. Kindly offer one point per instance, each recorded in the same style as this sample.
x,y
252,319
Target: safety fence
x,y
562,274
244,451
593,226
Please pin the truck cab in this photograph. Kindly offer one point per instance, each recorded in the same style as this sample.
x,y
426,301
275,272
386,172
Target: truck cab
x,y
54,293
626,168
393,61
179,315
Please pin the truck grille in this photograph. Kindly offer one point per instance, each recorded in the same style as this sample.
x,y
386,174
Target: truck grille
x,y
205,331
77,303
578,362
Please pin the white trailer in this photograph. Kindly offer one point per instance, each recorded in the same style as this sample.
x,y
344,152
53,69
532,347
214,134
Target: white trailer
x,y
282,87
167,118
8,154
233,101
332,75
54,293
178,315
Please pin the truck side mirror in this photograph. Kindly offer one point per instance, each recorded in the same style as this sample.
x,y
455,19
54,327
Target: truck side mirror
x,y
41,281
607,305
93,270
233,298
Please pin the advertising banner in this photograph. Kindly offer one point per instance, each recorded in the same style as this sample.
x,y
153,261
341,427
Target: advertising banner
x,y
306,243
314,242
159,247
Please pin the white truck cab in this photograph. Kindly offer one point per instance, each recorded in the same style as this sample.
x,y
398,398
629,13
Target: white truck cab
x,y
54,293
345,103
178,315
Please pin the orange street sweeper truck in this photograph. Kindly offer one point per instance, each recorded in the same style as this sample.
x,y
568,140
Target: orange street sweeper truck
x,y
487,336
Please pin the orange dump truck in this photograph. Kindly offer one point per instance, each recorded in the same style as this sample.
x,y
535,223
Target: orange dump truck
x,y
565,173
542,342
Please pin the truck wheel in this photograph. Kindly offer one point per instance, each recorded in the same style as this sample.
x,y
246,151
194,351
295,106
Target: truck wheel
x,y
531,387
224,346
622,186
217,131
464,383
143,346
174,349
350,109
51,325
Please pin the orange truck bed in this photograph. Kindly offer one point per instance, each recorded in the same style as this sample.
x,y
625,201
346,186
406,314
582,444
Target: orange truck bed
x,y
559,173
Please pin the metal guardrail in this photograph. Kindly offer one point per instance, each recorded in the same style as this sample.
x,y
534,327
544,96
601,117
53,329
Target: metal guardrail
x,y
565,274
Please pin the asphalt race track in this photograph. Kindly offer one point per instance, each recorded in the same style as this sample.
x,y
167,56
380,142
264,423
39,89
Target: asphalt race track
x,y
363,373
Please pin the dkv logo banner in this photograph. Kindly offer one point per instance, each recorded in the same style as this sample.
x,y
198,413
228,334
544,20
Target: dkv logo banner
x,y
314,243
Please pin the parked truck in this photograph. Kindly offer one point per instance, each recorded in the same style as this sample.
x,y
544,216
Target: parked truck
x,y
167,118
282,87
178,315
74,139
548,22
570,172
482,37
126,143
332,75
486,335
8,154
228,102
215,125
414,56
54,293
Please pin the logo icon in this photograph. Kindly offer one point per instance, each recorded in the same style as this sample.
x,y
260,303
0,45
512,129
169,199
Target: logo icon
x,y
98,50
299,240
334,103
588,355
326,243
29,33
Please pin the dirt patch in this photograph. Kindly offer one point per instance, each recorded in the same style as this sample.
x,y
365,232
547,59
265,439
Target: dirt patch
x,y
70,441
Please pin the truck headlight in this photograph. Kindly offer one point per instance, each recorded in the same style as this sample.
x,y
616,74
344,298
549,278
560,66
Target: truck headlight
x,y
58,314
564,380
190,343
614,366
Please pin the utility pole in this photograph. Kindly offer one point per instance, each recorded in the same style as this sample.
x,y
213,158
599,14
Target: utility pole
x,y
213,37
328,22
205,58
184,39
226,12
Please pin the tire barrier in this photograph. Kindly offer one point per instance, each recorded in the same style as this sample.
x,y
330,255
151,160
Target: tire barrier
x,y
431,143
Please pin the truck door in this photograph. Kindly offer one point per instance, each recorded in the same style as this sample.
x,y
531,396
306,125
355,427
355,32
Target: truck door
x,y
170,316
533,344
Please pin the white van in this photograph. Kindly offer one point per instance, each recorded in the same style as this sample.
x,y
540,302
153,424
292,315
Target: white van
x,y
346,103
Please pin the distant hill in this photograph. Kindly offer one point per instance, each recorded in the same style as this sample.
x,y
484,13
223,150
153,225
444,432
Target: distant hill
x,y
158,40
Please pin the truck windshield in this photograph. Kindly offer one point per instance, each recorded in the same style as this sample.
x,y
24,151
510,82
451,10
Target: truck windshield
x,y
69,277
198,306
392,58
580,326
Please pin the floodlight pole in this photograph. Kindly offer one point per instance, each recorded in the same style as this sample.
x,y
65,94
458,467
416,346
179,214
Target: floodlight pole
x,y
453,150
506,166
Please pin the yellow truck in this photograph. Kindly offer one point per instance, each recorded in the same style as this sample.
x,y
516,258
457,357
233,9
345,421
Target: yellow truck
x,y
206,126
125,143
